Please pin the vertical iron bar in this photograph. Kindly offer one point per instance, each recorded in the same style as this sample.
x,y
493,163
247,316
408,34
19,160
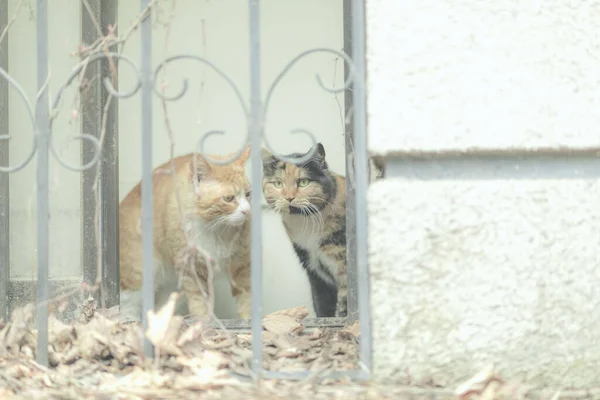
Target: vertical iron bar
x,y
256,129
147,183
110,171
362,180
353,314
92,106
4,177
43,214
91,112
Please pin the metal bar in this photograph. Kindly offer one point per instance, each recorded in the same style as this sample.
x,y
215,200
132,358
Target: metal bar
x,y
362,180
147,183
91,114
353,314
42,176
110,172
245,324
256,131
4,177
583,165
92,106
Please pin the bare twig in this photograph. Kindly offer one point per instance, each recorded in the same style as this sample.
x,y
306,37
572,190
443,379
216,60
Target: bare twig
x,y
102,44
208,259
192,246
12,20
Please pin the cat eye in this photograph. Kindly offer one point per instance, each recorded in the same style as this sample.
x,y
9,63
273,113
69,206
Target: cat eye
x,y
228,199
278,184
248,194
303,182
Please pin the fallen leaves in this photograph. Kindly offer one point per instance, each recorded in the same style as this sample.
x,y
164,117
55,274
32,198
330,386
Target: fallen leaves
x,y
98,353
163,327
285,321
488,385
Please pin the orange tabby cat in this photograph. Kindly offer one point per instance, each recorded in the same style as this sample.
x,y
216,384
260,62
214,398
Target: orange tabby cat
x,y
215,201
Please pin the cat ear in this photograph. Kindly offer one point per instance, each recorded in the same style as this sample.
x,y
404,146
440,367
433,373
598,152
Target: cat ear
x,y
199,168
320,150
319,155
265,154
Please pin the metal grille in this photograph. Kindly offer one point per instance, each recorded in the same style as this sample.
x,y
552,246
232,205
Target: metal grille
x,y
97,153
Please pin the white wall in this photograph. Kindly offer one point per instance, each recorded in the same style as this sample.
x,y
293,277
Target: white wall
x,y
65,236
467,273
218,30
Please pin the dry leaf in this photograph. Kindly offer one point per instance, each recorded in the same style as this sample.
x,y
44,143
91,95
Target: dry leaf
x,y
107,355
206,379
316,334
489,393
354,329
60,334
163,327
296,313
192,333
209,360
285,321
17,334
477,383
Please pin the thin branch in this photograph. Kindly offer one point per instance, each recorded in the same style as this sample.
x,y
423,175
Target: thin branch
x,y
11,21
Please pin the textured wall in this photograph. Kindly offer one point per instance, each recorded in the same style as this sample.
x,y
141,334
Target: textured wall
x,y
480,272
469,272
447,74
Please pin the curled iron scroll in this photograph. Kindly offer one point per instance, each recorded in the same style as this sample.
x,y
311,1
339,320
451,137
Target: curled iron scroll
x,y
184,89
6,137
306,132
109,88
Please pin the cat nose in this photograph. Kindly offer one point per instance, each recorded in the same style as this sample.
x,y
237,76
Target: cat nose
x,y
245,208
290,199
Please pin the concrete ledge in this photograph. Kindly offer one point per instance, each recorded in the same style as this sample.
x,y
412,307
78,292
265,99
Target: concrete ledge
x,y
470,272
22,292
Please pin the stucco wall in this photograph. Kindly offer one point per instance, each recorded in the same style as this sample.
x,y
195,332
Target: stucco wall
x,y
447,74
469,272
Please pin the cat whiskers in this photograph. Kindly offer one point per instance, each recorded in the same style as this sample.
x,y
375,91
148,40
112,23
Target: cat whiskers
x,y
322,200
217,222
314,216
275,207
317,217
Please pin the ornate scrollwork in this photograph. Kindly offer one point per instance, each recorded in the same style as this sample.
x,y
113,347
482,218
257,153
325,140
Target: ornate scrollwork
x,y
95,141
282,74
6,137
109,87
306,132
184,89
138,82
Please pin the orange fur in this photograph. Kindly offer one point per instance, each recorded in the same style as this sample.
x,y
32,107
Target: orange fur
x,y
214,220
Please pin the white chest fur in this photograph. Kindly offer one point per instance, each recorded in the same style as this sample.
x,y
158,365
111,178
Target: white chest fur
x,y
219,242
307,233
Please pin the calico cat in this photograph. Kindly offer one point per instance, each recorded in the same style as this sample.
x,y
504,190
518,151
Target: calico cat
x,y
215,203
312,202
